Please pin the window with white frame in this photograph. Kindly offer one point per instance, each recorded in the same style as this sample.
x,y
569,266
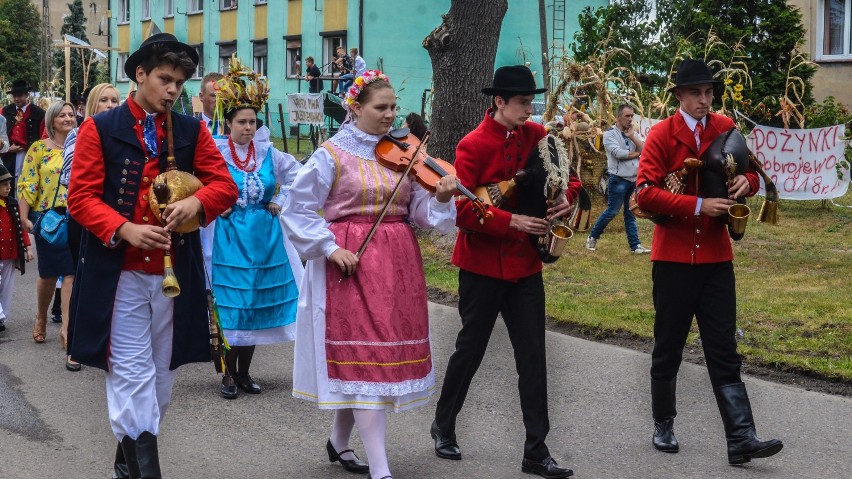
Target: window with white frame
x,y
195,6
834,30
168,8
227,4
123,11
146,9
225,52
330,45
199,72
260,56
294,57
120,75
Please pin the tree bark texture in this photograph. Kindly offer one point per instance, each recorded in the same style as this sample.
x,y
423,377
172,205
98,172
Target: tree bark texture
x,y
463,49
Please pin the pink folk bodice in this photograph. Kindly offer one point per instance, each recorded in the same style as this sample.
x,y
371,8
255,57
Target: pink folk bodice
x,y
361,187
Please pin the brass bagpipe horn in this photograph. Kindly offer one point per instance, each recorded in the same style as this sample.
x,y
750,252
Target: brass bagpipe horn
x,y
727,157
170,186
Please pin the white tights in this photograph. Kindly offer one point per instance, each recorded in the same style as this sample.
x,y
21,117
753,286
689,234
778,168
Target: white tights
x,y
371,424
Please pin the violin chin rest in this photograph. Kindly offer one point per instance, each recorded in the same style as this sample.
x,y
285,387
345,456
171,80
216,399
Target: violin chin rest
x,y
399,133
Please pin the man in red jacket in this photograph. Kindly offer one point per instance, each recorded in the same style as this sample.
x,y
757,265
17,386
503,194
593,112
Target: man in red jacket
x,y
497,260
693,270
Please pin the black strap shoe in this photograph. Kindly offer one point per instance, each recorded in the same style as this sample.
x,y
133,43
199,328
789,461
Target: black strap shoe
x,y
546,468
229,388
247,384
446,447
352,465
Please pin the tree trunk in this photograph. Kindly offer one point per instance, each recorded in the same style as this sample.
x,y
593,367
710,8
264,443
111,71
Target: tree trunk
x,y
545,59
462,49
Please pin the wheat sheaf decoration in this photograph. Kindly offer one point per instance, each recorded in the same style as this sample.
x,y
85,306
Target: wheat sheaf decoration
x,y
241,87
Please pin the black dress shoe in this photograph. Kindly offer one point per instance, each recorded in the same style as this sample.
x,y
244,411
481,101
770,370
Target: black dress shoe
x,y
247,384
229,388
664,438
352,465
545,468
446,447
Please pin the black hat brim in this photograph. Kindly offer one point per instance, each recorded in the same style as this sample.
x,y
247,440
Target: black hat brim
x,y
144,51
7,177
713,82
510,91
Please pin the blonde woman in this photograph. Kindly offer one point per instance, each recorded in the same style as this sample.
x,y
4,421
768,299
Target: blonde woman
x,y
39,191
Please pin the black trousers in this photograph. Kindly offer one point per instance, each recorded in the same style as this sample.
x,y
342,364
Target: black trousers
x,y
521,304
707,292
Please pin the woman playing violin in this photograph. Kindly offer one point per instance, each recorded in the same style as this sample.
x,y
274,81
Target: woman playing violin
x,y
362,333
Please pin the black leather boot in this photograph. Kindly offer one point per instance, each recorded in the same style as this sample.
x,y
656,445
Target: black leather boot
x,y
120,467
664,411
128,449
148,456
743,444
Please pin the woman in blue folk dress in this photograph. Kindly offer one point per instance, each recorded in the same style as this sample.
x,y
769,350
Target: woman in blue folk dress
x,y
255,270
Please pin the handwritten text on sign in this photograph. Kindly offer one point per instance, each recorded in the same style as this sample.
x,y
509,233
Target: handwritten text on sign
x,y
305,108
802,163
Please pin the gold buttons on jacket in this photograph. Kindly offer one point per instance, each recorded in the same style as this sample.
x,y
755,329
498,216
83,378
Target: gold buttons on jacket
x,y
146,179
120,202
123,181
147,259
145,219
126,161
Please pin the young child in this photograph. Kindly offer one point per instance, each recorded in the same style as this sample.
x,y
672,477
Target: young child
x,y
14,245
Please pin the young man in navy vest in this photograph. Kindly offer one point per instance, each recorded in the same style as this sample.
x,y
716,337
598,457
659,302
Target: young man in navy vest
x,y
121,321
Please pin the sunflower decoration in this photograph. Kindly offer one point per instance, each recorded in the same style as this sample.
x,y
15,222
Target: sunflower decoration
x,y
240,88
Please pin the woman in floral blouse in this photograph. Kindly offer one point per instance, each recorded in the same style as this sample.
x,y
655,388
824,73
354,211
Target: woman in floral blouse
x,y
37,188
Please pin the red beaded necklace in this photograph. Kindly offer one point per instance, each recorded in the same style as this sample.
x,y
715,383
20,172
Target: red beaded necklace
x,y
250,163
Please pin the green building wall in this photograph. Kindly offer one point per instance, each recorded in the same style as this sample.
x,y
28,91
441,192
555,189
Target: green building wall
x,y
393,33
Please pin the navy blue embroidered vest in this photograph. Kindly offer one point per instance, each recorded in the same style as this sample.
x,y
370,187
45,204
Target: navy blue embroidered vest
x,y
99,266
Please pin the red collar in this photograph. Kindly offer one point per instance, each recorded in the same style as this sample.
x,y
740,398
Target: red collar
x,y
138,113
496,128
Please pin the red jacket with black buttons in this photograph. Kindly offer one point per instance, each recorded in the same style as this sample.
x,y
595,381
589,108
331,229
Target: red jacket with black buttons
x,y
490,154
687,237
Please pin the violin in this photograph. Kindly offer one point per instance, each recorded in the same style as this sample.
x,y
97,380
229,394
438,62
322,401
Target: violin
x,y
395,150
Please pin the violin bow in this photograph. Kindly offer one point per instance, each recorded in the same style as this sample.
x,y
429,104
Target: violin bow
x,y
391,197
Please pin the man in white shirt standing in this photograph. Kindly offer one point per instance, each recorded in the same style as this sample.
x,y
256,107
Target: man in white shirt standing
x,y
622,147
360,64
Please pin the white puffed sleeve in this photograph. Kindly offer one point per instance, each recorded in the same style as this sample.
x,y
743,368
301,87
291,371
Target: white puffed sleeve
x,y
307,230
286,167
427,212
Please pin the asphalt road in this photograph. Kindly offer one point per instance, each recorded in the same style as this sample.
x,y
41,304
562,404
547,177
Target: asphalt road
x,y
53,422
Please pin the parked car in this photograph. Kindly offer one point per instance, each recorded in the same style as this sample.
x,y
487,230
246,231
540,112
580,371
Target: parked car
x,y
538,111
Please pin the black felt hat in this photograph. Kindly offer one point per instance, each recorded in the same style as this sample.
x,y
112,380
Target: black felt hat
x,y
18,87
4,174
165,39
514,80
693,72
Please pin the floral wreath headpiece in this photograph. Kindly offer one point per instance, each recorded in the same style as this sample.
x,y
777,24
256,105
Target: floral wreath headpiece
x,y
240,88
360,83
